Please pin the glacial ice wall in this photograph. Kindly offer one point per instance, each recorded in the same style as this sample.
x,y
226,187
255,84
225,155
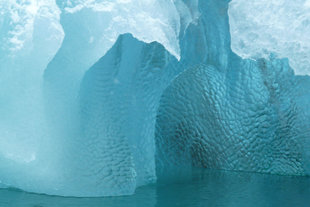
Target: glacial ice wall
x,y
87,110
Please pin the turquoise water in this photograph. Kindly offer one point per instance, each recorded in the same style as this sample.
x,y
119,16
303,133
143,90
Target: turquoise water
x,y
203,189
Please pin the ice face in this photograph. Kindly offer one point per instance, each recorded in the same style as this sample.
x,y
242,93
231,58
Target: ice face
x,y
30,36
217,119
119,99
86,112
259,28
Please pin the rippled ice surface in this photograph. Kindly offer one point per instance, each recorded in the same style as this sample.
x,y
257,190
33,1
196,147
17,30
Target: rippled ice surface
x,y
203,188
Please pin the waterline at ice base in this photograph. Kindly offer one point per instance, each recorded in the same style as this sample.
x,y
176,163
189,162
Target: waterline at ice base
x,y
99,97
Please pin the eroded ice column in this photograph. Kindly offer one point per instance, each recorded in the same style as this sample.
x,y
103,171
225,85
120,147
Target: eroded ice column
x,y
205,41
207,38
119,101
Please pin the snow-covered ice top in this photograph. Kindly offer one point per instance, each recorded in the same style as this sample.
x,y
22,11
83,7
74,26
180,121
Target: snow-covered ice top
x,y
282,27
258,27
148,20
17,22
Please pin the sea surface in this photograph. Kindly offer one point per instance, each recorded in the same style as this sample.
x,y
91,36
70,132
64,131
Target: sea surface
x,y
203,189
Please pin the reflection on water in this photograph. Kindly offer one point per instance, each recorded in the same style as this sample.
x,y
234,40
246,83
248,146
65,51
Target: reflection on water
x,y
203,189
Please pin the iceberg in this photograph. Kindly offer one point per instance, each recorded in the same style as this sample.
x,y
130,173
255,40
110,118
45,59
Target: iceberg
x,y
101,97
